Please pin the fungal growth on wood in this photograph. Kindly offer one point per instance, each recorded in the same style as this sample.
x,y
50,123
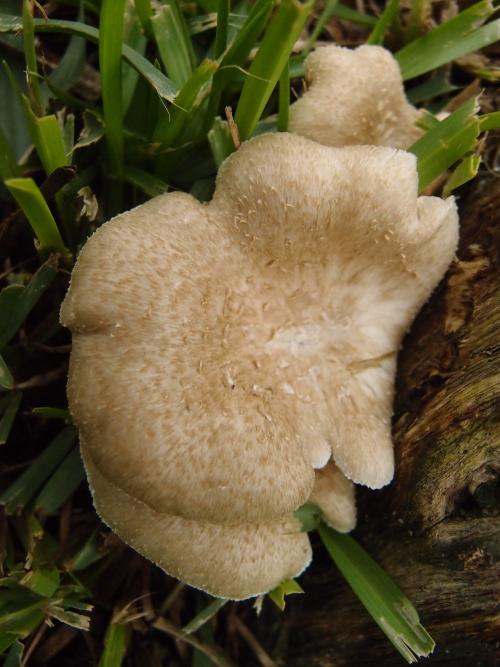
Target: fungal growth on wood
x,y
377,113
232,361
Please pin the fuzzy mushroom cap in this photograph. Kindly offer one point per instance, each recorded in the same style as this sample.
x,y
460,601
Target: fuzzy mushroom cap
x,y
378,113
224,353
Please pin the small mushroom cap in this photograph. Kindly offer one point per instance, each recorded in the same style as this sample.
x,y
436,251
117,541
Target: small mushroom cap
x,y
241,561
223,352
354,97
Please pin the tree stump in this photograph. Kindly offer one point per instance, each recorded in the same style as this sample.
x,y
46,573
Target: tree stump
x,y
436,529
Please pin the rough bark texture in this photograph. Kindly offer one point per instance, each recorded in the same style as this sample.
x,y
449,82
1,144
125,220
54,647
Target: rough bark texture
x,y
436,529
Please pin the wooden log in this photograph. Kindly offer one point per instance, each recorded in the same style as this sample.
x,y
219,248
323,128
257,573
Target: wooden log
x,y
436,529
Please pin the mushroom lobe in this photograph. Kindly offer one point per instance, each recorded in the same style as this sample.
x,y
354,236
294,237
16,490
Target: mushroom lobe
x,y
233,360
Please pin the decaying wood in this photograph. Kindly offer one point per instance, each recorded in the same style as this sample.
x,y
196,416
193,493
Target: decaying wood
x,y
436,530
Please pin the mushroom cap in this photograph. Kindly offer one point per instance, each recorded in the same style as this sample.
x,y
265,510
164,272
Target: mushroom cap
x,y
354,97
240,560
223,352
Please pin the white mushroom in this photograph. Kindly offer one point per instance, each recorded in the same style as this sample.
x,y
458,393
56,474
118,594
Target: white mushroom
x,y
223,352
354,97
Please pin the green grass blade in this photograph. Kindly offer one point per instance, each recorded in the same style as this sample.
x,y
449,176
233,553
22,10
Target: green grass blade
x,y
111,24
6,379
71,65
171,123
325,16
144,12
150,184
43,582
16,301
287,587
490,121
274,51
384,23
388,606
221,32
174,43
284,99
35,208
49,142
30,57
453,39
165,88
204,616
8,416
52,413
20,492
14,657
349,14
237,53
463,173
447,142
220,141
8,164
115,646
63,483
438,85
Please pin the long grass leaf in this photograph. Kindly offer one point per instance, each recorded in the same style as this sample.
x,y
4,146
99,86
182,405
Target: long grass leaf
x,y
6,379
165,88
27,194
8,164
221,32
387,605
452,39
174,42
9,414
110,55
446,143
115,646
204,616
30,57
383,24
20,492
274,51
65,480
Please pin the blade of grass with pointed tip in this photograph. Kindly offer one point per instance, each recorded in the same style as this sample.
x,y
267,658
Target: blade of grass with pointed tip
x,y
111,24
174,43
273,53
14,657
447,142
30,57
384,22
8,416
27,194
20,492
204,616
115,646
450,40
463,173
385,602
65,480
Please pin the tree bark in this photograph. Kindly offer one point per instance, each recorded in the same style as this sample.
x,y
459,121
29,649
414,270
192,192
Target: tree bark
x,y
436,529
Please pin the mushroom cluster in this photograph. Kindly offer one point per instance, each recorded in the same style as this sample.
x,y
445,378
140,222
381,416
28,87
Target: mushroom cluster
x,y
233,360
